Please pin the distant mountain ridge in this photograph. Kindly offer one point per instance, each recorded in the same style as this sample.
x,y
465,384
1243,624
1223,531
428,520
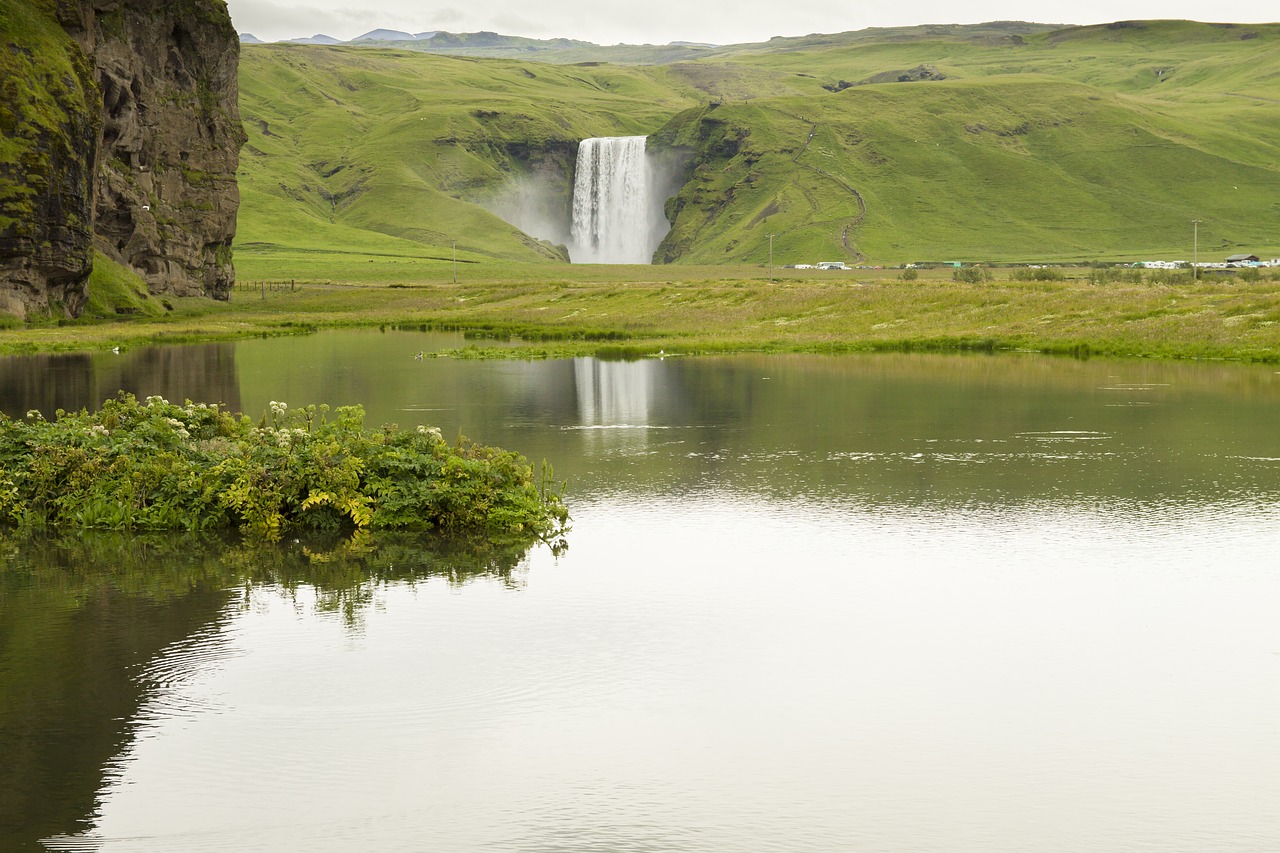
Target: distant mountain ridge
x,y
569,51
386,35
391,35
481,43
318,38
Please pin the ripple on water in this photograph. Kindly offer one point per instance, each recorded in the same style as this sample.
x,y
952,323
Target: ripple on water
x,y
194,657
1058,436
595,427
1134,386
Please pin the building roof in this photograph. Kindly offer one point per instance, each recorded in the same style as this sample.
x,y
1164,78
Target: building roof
x,y
1242,258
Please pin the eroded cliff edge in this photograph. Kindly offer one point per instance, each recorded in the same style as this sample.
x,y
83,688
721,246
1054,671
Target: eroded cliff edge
x,y
120,131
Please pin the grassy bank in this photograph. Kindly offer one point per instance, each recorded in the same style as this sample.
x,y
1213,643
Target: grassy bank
x,y
640,310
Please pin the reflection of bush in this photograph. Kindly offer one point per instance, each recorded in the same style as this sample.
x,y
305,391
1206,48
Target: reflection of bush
x,y
154,465
333,563
160,567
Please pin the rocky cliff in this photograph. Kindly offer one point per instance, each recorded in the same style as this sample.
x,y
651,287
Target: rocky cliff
x,y
121,132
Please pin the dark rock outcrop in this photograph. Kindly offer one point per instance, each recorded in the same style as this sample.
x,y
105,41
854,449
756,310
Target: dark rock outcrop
x,y
127,140
49,129
909,75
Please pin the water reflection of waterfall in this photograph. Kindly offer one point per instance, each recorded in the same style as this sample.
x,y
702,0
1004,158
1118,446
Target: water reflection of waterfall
x,y
617,206
616,395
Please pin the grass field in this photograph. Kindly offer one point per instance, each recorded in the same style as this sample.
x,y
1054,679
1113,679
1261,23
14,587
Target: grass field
x,y
639,310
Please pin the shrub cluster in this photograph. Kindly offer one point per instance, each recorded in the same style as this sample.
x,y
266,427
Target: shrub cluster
x,y
1035,274
1108,274
971,275
156,465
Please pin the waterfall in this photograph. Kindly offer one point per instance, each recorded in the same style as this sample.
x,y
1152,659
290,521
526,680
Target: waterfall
x,y
617,212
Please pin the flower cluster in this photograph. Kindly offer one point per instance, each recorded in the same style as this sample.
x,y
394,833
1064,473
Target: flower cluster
x,y
290,437
178,427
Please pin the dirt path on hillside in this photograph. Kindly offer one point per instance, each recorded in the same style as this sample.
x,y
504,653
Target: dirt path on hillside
x,y
845,233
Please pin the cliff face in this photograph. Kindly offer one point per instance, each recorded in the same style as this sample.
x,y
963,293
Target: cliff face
x,y
133,151
49,129
171,139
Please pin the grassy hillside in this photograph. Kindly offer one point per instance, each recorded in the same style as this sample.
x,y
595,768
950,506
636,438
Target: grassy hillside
x,y
1028,144
391,154
1021,169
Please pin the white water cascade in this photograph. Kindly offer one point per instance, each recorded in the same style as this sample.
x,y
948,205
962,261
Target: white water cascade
x,y
617,208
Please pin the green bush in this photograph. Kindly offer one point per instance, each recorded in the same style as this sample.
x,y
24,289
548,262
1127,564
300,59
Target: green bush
x,y
971,275
1038,274
1169,276
155,465
1124,275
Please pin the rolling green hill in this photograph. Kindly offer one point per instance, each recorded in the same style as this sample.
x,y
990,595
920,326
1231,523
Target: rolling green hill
x,y
1000,142
385,153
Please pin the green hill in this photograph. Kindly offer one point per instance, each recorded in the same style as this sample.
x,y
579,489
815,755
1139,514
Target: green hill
x,y
1003,142
382,153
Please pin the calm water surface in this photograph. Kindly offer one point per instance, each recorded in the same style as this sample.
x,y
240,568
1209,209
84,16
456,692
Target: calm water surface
x,y
833,604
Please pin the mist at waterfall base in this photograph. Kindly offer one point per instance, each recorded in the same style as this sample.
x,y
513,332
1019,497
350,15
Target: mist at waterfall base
x,y
615,211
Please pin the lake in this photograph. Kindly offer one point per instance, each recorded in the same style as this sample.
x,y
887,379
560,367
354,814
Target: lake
x,y
810,603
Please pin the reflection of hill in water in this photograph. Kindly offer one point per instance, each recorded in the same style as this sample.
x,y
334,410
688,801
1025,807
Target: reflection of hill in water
x,y
205,373
902,430
83,615
870,429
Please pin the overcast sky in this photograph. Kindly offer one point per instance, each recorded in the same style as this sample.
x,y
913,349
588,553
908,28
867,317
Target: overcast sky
x,y
716,21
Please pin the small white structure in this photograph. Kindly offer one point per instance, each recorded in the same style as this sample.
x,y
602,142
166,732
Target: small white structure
x,y
832,265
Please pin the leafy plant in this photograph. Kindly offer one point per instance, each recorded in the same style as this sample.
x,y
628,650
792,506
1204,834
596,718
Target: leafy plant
x,y
156,465
971,275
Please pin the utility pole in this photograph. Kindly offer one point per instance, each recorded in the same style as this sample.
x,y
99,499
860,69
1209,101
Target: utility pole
x,y
771,236
1195,250
455,261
